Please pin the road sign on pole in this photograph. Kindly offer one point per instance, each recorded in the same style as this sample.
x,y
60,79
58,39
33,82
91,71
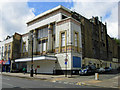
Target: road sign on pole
x,y
65,63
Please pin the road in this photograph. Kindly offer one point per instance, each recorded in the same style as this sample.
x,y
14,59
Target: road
x,y
16,82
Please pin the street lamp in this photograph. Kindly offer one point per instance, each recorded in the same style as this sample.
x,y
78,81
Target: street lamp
x,y
31,72
66,57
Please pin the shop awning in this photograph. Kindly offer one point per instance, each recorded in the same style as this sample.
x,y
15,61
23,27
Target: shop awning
x,y
5,62
36,59
1,61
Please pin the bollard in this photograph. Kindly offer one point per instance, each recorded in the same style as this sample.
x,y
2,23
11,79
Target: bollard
x,y
96,76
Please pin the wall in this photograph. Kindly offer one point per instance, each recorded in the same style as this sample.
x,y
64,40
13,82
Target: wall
x,y
8,41
61,61
59,28
24,39
46,66
46,20
16,46
104,64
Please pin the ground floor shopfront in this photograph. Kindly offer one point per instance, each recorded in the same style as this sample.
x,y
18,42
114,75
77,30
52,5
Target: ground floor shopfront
x,y
5,65
102,63
43,64
57,64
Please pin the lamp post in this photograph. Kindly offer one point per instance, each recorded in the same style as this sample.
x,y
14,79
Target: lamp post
x,y
31,72
66,57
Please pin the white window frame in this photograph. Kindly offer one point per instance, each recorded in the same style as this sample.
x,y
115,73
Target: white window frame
x,y
76,39
44,46
24,47
63,39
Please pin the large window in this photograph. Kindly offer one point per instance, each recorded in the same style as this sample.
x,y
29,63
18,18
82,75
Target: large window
x,y
39,46
24,47
5,51
43,32
9,47
5,48
2,52
8,56
44,45
76,41
63,39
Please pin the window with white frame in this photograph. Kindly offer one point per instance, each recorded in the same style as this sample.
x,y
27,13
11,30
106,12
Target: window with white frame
x,y
5,51
9,47
2,52
5,48
76,41
24,47
39,46
63,39
44,45
43,32
8,56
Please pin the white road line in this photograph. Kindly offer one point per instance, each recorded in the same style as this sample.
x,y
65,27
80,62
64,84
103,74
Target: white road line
x,y
8,84
6,78
11,85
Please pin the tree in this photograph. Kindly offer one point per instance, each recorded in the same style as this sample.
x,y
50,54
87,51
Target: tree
x,y
117,41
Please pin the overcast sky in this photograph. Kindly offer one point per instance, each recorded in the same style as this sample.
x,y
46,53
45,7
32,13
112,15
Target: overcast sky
x,y
14,15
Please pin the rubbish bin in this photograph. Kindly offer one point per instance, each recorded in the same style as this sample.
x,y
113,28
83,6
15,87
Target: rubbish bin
x,y
96,76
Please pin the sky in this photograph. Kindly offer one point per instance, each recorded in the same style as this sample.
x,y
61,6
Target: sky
x,y
14,14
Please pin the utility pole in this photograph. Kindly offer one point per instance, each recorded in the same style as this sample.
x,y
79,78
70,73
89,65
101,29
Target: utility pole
x,y
100,43
31,73
66,57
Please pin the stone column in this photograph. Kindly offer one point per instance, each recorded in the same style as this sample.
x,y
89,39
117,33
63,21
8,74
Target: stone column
x,y
41,47
50,30
35,41
30,44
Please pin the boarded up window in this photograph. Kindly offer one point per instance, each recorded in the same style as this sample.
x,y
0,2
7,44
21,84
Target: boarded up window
x,y
76,62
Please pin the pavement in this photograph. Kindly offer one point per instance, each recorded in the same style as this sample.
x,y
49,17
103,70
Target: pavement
x,y
105,80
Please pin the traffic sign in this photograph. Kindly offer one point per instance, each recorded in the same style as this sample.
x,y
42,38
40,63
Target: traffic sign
x,y
66,60
65,63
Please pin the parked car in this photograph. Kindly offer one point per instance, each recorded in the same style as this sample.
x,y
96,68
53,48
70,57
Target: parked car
x,y
118,69
100,70
87,70
108,69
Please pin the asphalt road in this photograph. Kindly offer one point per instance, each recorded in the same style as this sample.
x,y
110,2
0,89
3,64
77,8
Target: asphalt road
x,y
16,82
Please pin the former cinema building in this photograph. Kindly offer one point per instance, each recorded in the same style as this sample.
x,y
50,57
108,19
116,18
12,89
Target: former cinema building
x,y
60,40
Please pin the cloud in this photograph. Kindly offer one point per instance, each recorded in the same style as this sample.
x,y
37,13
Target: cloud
x,y
89,9
14,16
119,20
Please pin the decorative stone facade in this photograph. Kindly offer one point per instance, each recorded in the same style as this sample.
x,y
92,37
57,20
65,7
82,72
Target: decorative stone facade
x,y
61,40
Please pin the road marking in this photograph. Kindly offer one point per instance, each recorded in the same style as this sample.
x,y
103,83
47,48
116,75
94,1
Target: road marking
x,y
6,78
8,84
80,83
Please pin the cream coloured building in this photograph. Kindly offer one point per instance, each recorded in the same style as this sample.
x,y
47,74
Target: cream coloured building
x,y
56,44
60,40
9,50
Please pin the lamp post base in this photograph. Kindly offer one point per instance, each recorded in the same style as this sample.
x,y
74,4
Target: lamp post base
x,y
31,73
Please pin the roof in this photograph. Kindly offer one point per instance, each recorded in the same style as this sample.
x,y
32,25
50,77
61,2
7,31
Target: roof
x,y
49,11
36,59
25,34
